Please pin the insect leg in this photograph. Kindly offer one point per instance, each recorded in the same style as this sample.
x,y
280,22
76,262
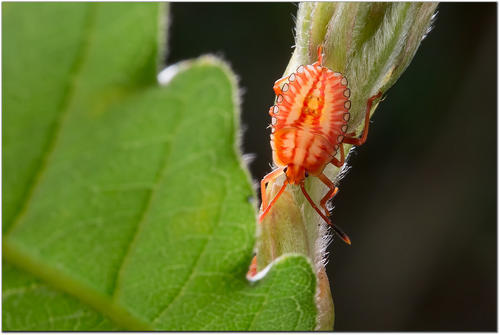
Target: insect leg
x,y
362,139
266,209
271,110
335,161
267,178
329,195
331,192
252,271
323,216
278,84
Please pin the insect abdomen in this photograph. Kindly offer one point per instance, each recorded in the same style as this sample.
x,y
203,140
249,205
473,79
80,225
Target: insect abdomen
x,y
301,147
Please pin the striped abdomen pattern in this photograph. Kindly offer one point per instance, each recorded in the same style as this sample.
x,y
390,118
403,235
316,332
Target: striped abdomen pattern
x,y
309,119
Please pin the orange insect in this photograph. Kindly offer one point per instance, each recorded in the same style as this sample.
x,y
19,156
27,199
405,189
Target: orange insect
x,y
308,128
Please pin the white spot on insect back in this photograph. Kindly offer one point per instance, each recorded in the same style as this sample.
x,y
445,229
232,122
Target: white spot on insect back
x,y
276,109
300,69
347,104
273,121
292,77
347,93
285,88
344,128
347,116
344,81
279,99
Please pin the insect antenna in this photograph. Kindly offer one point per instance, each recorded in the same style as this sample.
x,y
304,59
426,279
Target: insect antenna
x,y
337,230
320,55
264,213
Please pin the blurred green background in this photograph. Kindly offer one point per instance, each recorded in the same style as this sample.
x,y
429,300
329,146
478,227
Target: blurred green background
x,y
419,202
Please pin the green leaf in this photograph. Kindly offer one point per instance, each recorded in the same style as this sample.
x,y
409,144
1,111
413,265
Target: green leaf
x,y
126,204
55,310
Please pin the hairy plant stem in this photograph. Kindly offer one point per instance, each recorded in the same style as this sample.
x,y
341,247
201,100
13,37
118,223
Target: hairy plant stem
x,y
371,44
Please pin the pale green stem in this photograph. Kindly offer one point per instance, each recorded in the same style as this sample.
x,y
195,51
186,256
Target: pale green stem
x,y
371,44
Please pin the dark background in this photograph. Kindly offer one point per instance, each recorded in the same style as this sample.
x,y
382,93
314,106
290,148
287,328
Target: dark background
x,y
420,200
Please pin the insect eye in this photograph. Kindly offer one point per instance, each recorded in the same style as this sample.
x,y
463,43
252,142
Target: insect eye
x,y
307,174
286,168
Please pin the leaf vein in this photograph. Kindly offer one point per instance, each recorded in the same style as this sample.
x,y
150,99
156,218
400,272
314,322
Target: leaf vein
x,y
143,215
54,135
257,313
180,292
